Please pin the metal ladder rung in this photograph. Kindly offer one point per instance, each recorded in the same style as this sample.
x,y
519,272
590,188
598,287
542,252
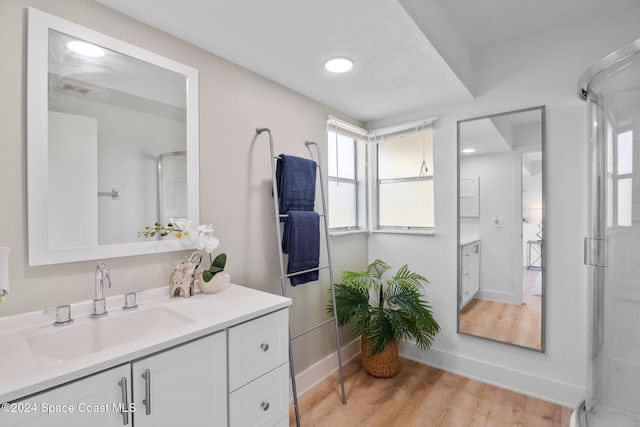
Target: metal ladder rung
x,y
313,328
287,216
286,276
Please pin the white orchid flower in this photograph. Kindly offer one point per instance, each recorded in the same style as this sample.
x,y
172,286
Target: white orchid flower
x,y
205,229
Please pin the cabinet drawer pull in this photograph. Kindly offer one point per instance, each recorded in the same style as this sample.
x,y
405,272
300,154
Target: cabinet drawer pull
x,y
147,391
125,401
264,347
265,406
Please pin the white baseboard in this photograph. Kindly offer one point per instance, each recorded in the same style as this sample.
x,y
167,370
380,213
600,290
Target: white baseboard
x,y
318,372
543,388
506,297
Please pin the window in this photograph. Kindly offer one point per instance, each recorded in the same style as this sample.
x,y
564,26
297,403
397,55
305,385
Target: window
x,y
405,192
403,196
346,179
624,174
619,177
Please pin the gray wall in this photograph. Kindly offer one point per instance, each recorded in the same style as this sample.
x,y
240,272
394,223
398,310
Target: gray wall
x,y
235,174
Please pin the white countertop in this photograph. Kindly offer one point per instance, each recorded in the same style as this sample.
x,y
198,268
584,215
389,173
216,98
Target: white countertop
x,y
22,372
468,239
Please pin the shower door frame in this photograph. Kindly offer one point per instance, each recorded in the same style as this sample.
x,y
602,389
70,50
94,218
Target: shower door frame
x,y
600,129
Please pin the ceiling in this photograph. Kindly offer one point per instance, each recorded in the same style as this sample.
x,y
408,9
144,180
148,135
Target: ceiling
x,y
410,55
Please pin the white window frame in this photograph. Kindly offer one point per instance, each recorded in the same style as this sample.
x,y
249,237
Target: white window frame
x,y
614,176
384,134
359,137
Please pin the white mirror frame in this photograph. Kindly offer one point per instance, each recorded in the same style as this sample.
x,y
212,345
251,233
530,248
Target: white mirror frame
x,y
37,143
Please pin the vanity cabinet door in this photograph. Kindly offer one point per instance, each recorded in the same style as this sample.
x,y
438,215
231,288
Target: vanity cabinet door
x,y
470,272
96,401
184,386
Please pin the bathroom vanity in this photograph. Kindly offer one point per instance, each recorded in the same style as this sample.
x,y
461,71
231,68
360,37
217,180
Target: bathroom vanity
x,y
469,269
218,359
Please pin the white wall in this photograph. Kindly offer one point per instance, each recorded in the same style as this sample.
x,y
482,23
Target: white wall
x,y
537,70
235,180
72,201
499,190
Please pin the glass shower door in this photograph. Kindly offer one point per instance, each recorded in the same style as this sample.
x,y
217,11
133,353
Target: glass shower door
x,y
612,250
172,186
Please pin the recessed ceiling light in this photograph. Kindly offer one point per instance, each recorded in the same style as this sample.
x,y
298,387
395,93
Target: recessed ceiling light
x,y
469,150
339,65
86,49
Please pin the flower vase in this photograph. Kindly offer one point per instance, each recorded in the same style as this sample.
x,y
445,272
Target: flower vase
x,y
218,283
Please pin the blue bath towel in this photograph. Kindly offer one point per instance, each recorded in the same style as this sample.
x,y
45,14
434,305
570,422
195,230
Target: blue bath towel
x,y
302,237
296,180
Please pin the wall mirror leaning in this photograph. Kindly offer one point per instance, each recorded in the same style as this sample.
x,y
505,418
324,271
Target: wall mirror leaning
x,y
501,286
112,144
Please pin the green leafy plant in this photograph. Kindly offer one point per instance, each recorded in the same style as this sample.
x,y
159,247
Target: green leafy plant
x,y
217,265
383,308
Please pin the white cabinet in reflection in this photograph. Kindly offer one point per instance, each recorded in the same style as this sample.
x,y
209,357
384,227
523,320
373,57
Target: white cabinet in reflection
x,y
469,271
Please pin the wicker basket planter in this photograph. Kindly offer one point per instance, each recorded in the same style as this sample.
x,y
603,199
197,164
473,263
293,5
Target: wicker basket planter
x,y
386,307
383,365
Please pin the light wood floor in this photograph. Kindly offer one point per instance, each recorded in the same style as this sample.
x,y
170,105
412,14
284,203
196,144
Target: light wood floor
x,y
421,396
515,324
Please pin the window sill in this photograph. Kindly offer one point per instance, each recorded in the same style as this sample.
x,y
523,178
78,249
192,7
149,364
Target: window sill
x,y
346,232
413,232
389,231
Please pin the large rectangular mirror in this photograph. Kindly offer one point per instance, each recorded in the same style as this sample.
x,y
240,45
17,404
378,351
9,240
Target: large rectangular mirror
x,y
112,143
501,286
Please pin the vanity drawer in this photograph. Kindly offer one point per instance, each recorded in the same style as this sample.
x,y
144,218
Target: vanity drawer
x,y
257,347
263,402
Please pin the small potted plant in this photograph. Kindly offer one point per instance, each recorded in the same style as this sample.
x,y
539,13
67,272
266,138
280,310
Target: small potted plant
x,y
383,310
209,280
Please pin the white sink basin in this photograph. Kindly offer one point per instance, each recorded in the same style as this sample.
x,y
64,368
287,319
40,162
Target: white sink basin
x,y
73,341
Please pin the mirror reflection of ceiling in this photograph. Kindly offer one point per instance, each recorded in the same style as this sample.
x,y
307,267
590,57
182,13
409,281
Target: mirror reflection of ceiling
x,y
502,133
134,85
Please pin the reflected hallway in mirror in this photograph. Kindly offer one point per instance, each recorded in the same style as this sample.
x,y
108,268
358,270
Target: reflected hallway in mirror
x,y
500,224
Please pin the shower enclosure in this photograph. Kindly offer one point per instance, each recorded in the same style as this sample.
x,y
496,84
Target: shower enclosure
x,y
172,186
612,91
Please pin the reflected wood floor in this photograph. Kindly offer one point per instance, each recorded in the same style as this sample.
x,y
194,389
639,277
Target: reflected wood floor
x,y
515,324
421,396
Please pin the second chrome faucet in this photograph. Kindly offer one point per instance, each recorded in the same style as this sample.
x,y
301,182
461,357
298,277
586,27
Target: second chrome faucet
x,y
103,280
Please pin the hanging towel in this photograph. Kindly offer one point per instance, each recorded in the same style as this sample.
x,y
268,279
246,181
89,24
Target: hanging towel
x,y
302,238
296,180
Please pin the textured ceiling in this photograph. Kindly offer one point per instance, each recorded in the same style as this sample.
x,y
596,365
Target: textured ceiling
x,y
490,22
398,70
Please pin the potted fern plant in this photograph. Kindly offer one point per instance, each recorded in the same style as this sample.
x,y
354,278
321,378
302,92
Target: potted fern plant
x,y
384,309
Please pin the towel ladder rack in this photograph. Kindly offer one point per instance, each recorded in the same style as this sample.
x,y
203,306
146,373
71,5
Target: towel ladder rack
x,y
284,276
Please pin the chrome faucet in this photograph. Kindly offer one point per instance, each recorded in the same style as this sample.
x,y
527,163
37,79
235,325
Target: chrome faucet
x,y
103,280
